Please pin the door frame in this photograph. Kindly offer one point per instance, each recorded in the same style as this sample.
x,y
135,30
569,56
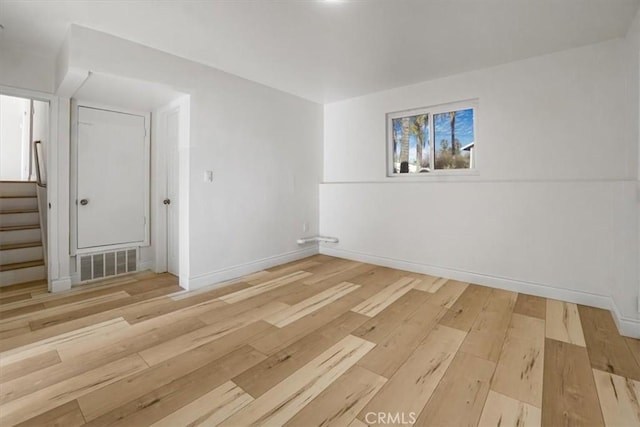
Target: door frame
x,y
57,271
159,186
159,177
73,177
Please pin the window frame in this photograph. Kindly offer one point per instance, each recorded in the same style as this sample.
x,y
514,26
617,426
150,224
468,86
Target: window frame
x,y
431,111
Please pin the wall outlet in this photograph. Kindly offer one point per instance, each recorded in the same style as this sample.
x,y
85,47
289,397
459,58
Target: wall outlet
x,y
208,176
305,227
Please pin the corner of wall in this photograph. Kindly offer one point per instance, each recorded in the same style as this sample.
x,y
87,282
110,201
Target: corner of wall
x,y
219,277
59,285
627,326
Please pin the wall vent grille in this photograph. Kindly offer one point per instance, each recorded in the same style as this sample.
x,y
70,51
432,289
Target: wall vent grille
x,y
107,264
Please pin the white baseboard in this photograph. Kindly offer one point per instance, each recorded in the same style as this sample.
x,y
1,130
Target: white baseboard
x,y
226,274
147,265
627,326
59,285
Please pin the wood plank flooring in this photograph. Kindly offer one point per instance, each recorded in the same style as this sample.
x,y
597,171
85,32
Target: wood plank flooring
x,y
317,342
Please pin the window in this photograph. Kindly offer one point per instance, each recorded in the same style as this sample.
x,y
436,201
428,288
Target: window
x,y
432,139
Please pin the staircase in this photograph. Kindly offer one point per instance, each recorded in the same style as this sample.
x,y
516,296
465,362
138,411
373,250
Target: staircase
x,y
21,251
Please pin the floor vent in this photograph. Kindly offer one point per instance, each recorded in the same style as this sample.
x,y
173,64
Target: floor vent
x,y
107,264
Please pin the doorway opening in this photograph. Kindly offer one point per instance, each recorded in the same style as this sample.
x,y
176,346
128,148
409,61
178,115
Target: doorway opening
x,y
24,136
130,211
172,157
24,126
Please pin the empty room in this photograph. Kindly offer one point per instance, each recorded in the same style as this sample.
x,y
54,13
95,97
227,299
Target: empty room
x,y
313,213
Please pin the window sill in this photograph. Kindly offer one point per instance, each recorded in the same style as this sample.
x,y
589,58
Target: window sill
x,y
441,175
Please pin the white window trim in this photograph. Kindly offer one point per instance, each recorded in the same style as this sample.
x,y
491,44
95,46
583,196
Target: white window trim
x,y
435,109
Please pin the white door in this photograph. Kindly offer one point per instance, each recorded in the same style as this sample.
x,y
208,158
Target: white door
x,y
113,178
172,131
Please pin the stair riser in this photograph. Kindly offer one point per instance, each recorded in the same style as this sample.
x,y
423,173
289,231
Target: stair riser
x,y
17,189
19,219
18,203
20,255
20,236
22,275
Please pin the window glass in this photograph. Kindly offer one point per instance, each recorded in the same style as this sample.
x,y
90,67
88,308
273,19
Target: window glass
x,y
454,139
411,144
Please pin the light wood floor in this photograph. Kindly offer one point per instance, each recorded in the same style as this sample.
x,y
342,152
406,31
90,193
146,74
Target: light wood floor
x,y
318,342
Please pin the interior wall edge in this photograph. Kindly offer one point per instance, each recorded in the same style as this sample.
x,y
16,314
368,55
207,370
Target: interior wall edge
x,y
60,285
218,277
147,265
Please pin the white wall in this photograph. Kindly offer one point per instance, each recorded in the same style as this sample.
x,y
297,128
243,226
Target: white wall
x,y
553,208
632,55
264,147
21,69
14,137
632,48
41,130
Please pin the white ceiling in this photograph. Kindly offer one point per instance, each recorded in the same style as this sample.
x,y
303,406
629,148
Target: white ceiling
x,y
327,51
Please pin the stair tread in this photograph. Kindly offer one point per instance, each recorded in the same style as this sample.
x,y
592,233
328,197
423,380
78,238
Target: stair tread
x,y
17,211
19,227
30,286
19,265
9,246
10,181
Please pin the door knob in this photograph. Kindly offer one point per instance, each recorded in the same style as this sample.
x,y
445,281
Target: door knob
x,y
167,201
84,202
